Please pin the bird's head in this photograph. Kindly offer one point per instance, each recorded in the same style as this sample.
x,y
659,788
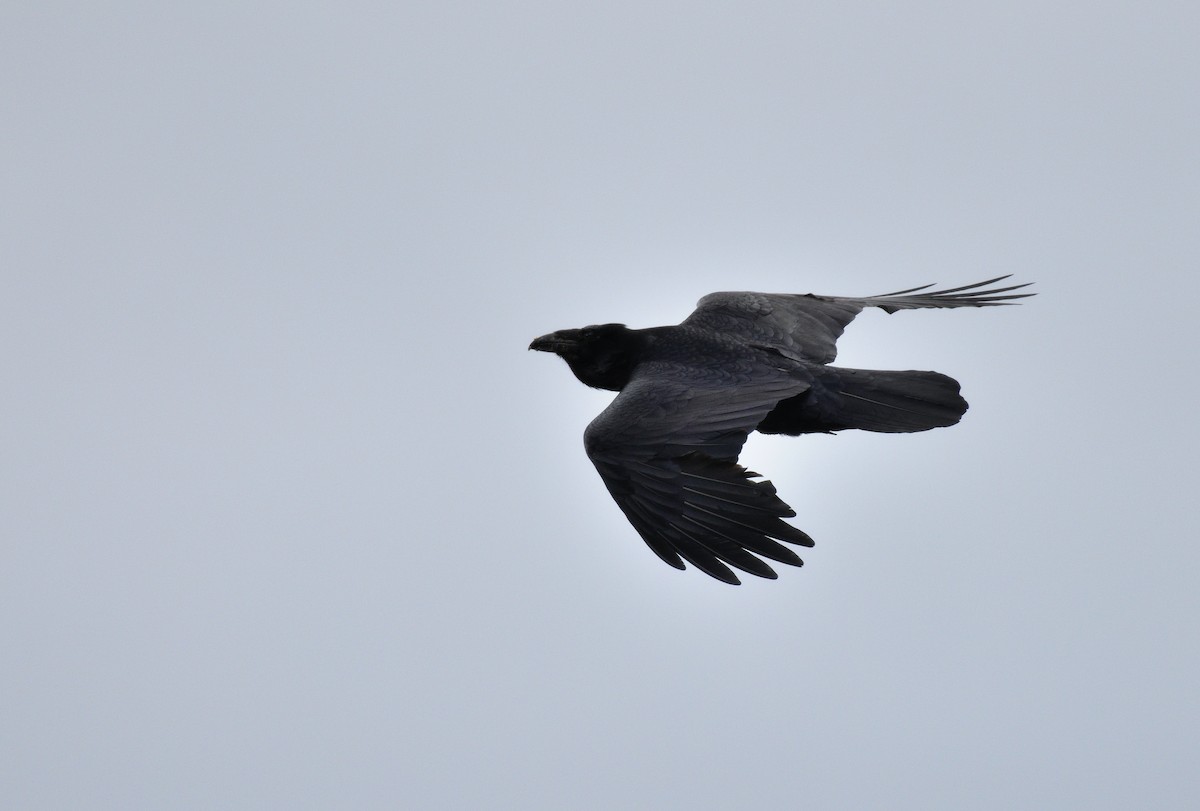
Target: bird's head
x,y
601,356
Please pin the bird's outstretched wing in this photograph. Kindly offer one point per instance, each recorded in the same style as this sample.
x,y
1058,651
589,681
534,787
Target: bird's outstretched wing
x,y
667,450
808,326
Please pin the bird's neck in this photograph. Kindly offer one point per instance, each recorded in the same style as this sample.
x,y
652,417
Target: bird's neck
x,y
609,364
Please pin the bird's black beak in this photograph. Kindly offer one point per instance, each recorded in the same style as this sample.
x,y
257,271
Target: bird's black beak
x,y
556,342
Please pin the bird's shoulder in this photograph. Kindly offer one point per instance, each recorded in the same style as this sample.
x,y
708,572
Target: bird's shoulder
x,y
800,324
694,352
679,396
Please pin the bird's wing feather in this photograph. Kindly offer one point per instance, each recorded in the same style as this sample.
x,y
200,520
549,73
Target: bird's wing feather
x,y
808,326
667,449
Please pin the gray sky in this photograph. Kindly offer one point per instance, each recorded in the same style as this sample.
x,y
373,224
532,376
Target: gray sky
x,y
292,519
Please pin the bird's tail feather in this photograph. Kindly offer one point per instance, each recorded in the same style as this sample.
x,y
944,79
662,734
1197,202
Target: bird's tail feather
x,y
894,402
870,400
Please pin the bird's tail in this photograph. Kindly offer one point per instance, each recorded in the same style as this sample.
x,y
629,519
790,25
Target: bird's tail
x,y
898,402
870,400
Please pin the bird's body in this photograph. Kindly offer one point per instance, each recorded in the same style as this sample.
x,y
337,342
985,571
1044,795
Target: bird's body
x,y
667,446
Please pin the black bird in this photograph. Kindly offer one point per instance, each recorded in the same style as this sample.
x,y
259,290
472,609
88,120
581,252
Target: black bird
x,y
667,445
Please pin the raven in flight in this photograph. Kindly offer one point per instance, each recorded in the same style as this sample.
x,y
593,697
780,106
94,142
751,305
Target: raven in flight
x,y
667,445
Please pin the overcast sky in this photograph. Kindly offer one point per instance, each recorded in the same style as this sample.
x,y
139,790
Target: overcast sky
x,y
292,519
